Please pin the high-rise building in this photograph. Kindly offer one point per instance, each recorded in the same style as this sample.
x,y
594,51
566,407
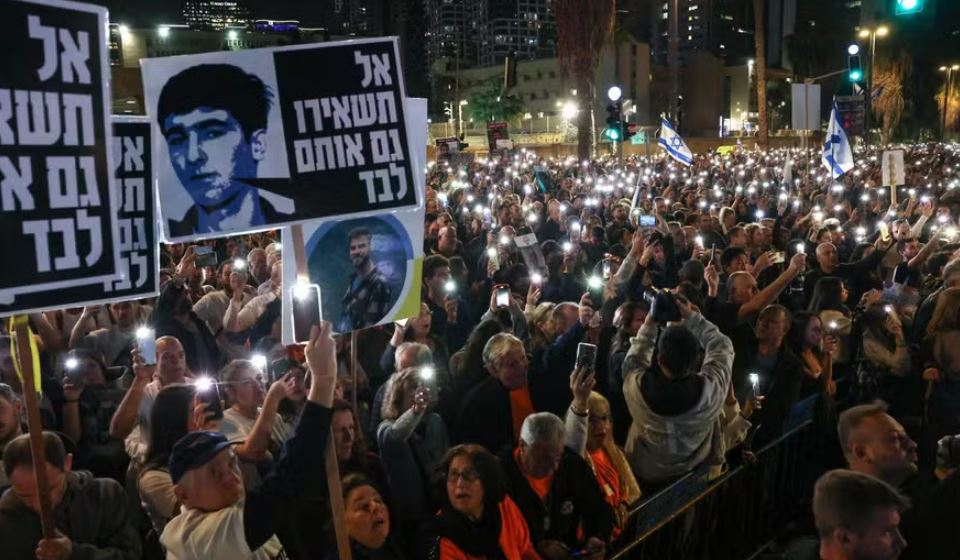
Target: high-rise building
x,y
723,27
357,17
215,14
455,30
524,28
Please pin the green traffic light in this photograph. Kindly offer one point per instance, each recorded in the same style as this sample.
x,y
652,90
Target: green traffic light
x,y
909,6
613,134
856,75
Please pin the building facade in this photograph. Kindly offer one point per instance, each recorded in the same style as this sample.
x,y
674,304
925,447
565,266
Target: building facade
x,y
215,14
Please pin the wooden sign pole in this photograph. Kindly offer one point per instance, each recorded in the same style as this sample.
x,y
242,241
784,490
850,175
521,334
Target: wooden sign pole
x,y
333,469
37,447
892,165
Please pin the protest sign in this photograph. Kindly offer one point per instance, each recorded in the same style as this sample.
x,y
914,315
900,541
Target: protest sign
x,y
497,133
58,210
531,253
249,140
139,256
395,247
446,147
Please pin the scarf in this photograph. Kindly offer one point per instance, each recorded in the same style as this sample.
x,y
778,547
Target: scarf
x,y
480,538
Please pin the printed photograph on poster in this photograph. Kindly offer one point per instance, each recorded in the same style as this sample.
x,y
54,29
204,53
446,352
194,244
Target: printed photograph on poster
x,y
368,269
58,209
248,140
139,255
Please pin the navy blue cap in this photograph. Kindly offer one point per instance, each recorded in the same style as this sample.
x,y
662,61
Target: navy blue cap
x,y
195,450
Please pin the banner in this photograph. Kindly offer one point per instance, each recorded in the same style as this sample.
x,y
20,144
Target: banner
x,y
58,213
395,248
446,147
137,240
250,140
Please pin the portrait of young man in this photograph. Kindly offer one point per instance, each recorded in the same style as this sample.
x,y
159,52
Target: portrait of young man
x,y
214,120
368,297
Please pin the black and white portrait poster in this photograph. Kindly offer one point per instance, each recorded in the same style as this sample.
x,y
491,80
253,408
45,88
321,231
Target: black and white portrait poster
x,y
58,215
137,236
250,140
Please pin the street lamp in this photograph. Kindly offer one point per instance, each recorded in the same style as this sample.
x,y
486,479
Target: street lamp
x,y
460,115
614,93
872,34
946,98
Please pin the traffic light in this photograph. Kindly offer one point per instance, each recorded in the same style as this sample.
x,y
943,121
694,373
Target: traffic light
x,y
629,130
614,121
907,7
854,70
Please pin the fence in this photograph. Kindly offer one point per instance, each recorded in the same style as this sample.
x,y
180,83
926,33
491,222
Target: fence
x,y
737,515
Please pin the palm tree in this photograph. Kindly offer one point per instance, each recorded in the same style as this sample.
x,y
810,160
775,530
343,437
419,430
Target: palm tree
x,y
891,101
953,108
759,30
584,28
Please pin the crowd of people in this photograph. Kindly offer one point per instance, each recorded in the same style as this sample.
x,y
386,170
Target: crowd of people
x,y
721,298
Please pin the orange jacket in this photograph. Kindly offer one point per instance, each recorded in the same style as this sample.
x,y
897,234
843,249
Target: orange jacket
x,y
514,537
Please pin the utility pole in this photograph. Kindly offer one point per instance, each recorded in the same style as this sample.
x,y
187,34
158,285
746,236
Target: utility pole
x,y
673,54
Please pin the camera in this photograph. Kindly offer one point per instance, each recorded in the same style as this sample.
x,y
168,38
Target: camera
x,y
663,305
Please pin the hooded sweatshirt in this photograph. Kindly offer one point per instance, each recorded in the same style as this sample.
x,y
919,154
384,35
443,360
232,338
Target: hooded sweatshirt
x,y
664,446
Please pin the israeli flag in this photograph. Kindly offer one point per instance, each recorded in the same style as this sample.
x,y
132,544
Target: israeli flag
x,y
673,144
837,155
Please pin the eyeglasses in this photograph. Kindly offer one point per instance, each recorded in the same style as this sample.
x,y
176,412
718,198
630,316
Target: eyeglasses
x,y
468,475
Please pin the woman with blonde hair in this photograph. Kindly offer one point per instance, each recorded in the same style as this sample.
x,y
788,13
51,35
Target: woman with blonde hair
x,y
617,483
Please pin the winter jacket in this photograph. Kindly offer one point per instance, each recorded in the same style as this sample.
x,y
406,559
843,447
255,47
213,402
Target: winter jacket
x,y
662,447
411,457
574,501
94,513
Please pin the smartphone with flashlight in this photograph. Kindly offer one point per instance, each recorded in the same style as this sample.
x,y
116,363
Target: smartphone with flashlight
x,y
606,269
647,220
884,231
205,256
586,357
147,345
778,257
208,392
305,299
503,295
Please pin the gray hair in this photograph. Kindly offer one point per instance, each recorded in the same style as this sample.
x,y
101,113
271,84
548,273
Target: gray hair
x,y
495,348
542,427
852,418
424,356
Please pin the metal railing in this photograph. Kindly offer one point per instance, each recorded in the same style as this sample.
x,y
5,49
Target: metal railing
x,y
734,516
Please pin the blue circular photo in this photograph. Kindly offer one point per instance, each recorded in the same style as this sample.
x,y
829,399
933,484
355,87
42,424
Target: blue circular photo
x,y
361,267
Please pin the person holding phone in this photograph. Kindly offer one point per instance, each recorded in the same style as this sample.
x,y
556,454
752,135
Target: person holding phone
x,y
131,421
412,440
252,417
177,411
91,396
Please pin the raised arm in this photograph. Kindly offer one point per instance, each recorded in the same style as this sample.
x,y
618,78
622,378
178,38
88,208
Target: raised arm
x,y
771,292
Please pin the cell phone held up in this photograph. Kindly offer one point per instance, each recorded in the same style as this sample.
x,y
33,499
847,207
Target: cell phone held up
x,y
305,301
208,393
205,256
147,345
586,357
503,295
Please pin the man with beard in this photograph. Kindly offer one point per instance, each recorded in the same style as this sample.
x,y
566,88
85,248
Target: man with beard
x,y
368,294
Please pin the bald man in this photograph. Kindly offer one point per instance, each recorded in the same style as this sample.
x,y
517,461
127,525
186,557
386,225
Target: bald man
x,y
131,421
744,299
828,264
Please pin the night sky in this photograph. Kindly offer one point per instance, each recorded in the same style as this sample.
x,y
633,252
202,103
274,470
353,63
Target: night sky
x,y
152,12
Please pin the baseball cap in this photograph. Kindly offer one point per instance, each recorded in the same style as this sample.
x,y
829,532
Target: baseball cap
x,y
195,450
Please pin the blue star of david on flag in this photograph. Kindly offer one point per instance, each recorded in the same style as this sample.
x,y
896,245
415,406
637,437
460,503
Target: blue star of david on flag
x,y
673,144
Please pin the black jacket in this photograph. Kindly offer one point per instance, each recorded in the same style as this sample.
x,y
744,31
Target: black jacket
x,y
200,348
485,416
929,523
574,500
94,513
782,395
